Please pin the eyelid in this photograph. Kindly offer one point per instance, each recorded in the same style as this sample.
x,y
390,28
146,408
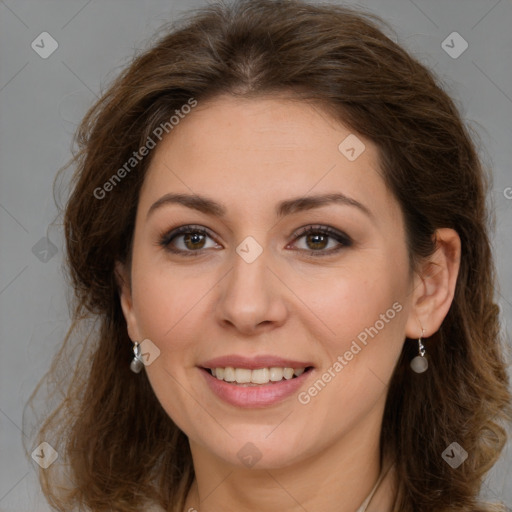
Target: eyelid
x,y
342,238
320,228
167,236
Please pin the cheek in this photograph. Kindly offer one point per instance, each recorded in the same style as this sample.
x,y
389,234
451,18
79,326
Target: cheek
x,y
366,320
165,301
357,299
366,333
365,311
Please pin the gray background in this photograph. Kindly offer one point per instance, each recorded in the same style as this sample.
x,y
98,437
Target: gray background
x,y
42,100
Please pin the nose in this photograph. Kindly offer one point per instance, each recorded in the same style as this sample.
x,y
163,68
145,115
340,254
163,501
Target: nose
x,y
253,297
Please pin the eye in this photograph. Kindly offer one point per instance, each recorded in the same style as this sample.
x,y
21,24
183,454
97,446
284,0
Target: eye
x,y
186,240
191,240
317,239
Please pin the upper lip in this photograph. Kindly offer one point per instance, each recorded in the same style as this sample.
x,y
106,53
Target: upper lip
x,y
253,363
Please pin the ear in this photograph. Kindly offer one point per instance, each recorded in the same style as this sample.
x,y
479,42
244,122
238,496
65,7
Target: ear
x,y
434,286
125,294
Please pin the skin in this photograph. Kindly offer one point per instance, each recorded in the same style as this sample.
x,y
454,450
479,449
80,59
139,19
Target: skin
x,y
250,154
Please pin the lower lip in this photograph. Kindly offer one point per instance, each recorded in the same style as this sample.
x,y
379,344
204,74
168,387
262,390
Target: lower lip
x,y
262,395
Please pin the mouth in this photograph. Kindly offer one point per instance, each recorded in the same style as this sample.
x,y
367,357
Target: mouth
x,y
255,382
247,377
259,381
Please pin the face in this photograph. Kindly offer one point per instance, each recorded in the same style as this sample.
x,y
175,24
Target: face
x,y
261,279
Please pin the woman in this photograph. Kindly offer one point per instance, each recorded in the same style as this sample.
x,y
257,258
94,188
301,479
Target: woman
x,y
278,222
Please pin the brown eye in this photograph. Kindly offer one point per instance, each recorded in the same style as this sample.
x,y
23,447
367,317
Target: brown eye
x,y
186,240
318,238
317,241
193,240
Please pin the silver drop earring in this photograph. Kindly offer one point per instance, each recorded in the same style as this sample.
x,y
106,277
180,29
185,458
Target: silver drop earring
x,y
136,364
420,364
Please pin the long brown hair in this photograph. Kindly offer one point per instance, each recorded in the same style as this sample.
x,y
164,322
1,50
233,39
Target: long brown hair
x,y
118,449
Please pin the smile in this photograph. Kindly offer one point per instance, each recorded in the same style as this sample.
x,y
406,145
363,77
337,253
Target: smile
x,y
273,384
259,376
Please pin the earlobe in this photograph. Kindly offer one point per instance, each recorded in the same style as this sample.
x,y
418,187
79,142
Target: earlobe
x,y
435,286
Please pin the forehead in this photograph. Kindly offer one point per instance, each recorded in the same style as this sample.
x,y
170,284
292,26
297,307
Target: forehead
x,y
250,153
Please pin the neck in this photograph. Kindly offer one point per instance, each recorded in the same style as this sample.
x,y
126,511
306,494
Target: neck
x,y
383,497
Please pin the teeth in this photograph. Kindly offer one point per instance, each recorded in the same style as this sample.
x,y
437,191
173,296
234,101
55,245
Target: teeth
x,y
259,376
243,375
229,374
276,374
288,373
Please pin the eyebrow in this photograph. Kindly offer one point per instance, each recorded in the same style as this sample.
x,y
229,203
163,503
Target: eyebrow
x,y
294,205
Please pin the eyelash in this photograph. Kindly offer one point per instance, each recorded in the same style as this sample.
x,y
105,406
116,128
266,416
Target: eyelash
x,y
344,240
